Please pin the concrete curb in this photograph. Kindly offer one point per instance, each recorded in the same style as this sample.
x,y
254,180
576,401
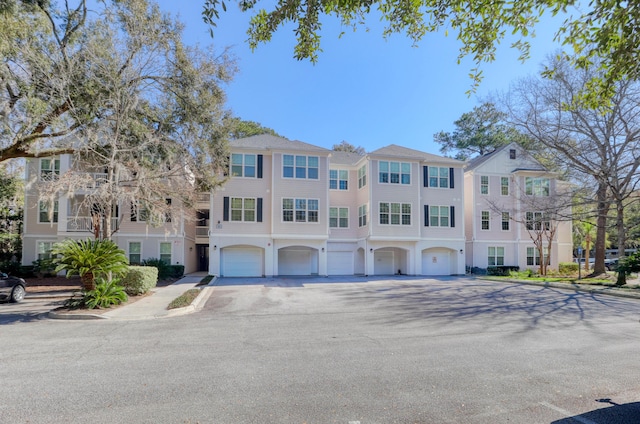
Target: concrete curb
x,y
195,306
609,291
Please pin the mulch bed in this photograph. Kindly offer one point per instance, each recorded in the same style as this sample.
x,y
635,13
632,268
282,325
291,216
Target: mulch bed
x,y
58,283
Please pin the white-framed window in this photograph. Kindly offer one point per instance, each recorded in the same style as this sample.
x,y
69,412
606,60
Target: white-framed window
x,y
533,255
301,167
537,221
484,184
395,213
44,215
338,179
139,212
438,177
504,186
299,210
394,172
338,217
362,176
362,215
506,218
439,216
165,252
485,219
243,209
536,186
135,252
44,249
49,169
243,165
495,256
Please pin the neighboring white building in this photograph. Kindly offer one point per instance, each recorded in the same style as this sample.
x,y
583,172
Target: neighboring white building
x,y
507,190
292,208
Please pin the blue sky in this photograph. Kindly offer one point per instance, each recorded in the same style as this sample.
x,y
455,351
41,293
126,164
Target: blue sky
x,y
364,89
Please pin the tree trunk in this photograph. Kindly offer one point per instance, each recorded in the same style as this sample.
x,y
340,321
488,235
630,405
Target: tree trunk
x,y
601,229
622,241
88,281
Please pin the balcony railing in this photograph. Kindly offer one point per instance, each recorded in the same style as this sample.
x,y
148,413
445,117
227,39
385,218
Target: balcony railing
x,y
85,223
203,197
202,231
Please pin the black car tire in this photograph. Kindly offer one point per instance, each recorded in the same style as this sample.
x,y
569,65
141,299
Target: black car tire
x,y
17,294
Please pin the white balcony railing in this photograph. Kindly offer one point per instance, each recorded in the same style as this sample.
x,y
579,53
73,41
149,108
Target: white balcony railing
x,y
203,197
85,223
202,231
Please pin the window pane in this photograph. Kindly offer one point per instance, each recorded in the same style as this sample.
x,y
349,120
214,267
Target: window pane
x,y
395,178
344,213
313,173
236,202
333,212
287,172
249,203
343,185
406,168
384,207
301,204
134,247
344,175
406,178
301,172
395,166
165,248
333,174
287,160
236,159
250,171
313,205
395,219
384,166
287,203
333,184
250,160
301,161
313,161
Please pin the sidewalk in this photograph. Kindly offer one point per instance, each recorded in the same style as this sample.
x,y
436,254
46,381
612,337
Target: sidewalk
x,y
153,306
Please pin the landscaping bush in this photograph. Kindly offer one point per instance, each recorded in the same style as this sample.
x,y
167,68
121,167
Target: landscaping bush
x,y
105,295
176,271
139,279
568,268
502,270
11,268
164,270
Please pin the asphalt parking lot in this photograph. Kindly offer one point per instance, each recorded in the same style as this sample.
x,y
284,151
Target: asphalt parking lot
x,y
291,350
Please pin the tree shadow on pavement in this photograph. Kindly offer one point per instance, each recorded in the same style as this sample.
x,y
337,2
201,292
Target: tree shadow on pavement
x,y
628,413
20,317
464,300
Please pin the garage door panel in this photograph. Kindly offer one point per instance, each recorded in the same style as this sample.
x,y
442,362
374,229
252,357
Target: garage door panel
x,y
340,263
436,262
242,262
383,263
295,261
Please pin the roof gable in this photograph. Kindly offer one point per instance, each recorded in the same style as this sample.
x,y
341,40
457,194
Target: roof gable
x,y
501,158
271,142
395,151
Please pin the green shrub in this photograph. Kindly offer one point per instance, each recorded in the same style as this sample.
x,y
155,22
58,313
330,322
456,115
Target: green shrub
x,y
90,259
502,270
44,267
527,273
176,271
184,299
568,268
105,295
164,270
139,279
11,268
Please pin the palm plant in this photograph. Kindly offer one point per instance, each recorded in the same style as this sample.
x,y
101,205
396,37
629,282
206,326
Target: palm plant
x,y
89,259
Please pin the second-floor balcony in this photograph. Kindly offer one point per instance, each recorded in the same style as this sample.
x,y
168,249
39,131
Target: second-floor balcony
x,y
85,224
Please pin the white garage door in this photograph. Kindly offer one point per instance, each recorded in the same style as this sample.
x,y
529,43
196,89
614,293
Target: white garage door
x,y
295,261
242,262
436,262
340,263
383,262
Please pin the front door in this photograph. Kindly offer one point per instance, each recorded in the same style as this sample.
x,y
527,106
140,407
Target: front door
x,y
203,257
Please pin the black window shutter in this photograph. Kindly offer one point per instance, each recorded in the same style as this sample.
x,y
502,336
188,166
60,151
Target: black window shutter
x,y
425,176
225,212
453,216
259,166
451,178
259,210
426,215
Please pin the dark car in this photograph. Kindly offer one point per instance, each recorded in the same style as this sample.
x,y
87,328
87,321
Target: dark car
x,y
12,288
611,264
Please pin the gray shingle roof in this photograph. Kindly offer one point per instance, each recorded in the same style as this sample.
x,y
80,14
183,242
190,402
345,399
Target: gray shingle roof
x,y
396,151
270,142
345,158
